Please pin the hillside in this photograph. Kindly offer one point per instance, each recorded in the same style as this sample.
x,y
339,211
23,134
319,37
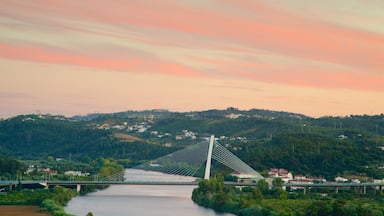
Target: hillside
x,y
33,137
325,146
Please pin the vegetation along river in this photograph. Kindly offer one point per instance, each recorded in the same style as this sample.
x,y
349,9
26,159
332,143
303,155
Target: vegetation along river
x,y
140,200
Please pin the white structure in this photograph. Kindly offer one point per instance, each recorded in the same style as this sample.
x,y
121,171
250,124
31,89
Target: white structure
x,y
340,179
280,173
209,158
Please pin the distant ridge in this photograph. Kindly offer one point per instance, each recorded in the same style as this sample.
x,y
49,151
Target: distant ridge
x,y
262,138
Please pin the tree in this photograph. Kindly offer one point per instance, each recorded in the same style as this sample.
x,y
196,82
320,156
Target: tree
x,y
257,195
337,206
350,209
250,212
263,186
319,208
277,183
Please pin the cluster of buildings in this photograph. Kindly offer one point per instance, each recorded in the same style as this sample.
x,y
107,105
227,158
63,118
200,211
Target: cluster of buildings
x,y
288,177
46,116
51,172
285,176
186,134
32,169
144,127
137,127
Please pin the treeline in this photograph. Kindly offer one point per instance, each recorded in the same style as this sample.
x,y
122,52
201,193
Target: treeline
x,y
10,167
264,201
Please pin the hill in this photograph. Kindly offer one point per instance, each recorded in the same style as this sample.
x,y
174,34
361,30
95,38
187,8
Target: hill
x,y
37,136
325,146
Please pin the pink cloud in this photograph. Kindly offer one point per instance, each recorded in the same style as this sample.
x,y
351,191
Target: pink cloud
x,y
308,76
38,54
263,27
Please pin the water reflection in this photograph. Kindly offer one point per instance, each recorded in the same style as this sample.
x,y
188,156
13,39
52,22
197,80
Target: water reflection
x,y
143,200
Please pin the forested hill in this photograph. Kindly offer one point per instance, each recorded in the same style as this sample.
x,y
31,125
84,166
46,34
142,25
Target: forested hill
x,y
317,146
37,136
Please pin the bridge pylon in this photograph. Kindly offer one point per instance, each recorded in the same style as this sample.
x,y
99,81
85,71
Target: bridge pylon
x,y
207,173
190,160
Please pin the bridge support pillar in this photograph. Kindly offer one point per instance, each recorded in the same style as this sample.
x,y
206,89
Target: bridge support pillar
x,y
336,189
78,188
365,190
209,158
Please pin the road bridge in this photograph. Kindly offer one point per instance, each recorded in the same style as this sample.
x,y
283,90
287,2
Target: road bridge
x,y
187,162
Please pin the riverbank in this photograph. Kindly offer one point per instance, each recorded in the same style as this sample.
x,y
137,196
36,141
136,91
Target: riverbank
x,y
50,200
263,200
11,210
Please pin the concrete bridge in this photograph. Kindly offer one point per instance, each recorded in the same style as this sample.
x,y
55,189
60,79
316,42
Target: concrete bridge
x,y
187,162
360,188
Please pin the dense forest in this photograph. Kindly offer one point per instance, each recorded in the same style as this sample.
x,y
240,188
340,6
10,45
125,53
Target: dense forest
x,y
318,155
326,146
10,166
263,200
33,137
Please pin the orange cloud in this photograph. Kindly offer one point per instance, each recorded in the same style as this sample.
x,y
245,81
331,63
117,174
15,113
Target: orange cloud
x,y
34,53
241,27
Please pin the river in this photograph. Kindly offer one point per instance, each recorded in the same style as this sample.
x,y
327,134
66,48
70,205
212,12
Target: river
x,y
140,200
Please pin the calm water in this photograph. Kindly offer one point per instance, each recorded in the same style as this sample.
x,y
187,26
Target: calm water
x,y
137,200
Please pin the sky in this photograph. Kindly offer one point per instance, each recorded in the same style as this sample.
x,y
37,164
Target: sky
x,y
318,58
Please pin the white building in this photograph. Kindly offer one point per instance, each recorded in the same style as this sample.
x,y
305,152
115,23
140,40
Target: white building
x,y
280,173
340,179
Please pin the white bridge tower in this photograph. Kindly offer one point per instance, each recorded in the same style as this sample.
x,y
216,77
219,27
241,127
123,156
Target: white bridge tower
x,y
209,158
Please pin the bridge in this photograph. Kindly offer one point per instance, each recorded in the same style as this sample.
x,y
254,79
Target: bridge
x,y
358,187
189,163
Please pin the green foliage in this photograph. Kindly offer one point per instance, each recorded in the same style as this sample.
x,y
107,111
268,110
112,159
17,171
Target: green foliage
x,y
250,212
10,168
60,197
63,195
50,200
50,137
275,201
319,208
316,154
25,197
274,139
53,207
107,167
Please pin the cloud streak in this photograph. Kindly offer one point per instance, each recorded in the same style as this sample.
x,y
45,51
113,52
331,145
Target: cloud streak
x,y
234,49
174,32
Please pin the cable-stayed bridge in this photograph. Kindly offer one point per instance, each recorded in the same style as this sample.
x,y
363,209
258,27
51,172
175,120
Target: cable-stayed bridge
x,y
189,161
184,166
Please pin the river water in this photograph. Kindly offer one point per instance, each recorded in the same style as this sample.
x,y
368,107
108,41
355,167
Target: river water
x,y
140,200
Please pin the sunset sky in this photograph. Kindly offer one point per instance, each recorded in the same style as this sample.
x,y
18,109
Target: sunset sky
x,y
83,56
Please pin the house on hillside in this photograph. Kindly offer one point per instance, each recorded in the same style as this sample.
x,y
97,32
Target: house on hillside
x,y
284,174
340,179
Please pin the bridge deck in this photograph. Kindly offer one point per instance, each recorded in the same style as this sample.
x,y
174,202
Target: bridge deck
x,y
330,184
